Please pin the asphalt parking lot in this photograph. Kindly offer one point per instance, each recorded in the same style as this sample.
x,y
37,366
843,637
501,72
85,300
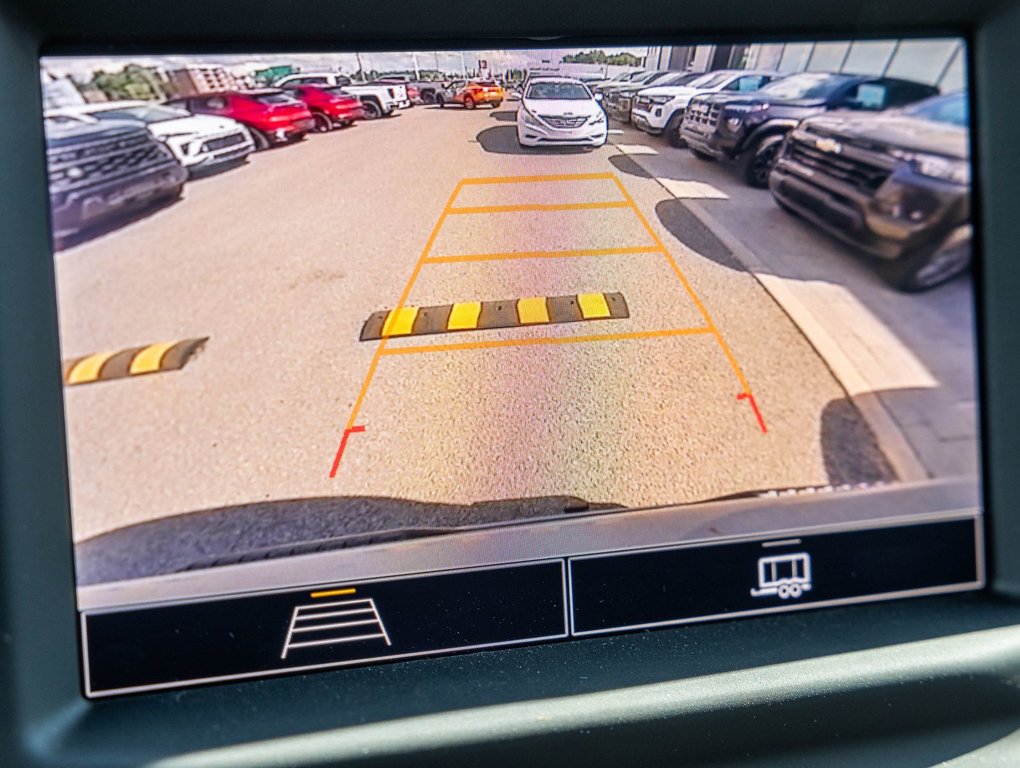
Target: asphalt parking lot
x,y
710,384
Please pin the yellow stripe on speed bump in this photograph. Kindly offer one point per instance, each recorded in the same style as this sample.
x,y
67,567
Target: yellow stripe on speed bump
x,y
464,316
532,311
134,361
149,359
593,306
399,322
88,368
488,315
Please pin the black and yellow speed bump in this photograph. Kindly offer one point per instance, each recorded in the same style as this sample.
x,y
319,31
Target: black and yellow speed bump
x,y
485,315
136,361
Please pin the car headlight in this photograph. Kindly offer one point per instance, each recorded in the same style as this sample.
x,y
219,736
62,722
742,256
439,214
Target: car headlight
x,y
936,166
746,108
529,118
734,123
659,99
599,118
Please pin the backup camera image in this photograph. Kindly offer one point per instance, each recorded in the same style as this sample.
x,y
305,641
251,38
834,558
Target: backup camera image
x,y
355,341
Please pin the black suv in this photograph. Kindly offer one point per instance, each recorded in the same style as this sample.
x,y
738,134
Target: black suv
x,y
751,127
97,171
896,184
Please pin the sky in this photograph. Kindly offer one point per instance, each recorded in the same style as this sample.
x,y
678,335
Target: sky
x,y
82,68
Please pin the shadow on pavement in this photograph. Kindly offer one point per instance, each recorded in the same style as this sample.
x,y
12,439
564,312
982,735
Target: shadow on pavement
x,y
849,448
502,140
504,116
114,223
219,169
627,164
260,530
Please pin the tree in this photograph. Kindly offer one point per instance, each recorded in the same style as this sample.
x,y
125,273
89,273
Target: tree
x,y
601,57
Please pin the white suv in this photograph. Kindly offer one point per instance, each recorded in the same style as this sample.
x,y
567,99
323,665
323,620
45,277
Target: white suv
x,y
380,100
560,111
661,110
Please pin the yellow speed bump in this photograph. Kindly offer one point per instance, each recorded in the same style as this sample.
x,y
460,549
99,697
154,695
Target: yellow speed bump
x,y
488,315
135,361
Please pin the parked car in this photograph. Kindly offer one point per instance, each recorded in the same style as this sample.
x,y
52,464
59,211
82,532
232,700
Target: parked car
x,y
750,127
412,86
331,106
379,100
618,102
641,77
660,109
100,170
197,141
895,184
271,116
560,111
471,93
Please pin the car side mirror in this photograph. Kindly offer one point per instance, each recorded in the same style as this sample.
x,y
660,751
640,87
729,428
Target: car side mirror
x,y
598,97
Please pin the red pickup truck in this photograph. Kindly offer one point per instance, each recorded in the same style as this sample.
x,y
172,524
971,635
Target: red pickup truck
x,y
330,105
271,115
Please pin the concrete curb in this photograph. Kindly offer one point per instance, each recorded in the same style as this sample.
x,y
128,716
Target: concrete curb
x,y
891,440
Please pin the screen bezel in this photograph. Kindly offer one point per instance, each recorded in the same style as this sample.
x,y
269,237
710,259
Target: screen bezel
x,y
53,721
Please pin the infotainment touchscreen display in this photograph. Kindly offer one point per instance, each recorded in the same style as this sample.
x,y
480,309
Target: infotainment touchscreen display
x,y
371,356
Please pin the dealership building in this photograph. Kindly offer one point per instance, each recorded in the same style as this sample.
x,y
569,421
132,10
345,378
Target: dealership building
x,y
940,62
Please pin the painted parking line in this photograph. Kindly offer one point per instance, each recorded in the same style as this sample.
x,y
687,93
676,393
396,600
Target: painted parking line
x,y
135,361
488,315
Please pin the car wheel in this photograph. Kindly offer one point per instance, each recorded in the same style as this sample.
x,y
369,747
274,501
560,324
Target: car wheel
x,y
928,267
469,103
372,109
672,132
760,160
702,155
428,97
495,104
261,140
323,123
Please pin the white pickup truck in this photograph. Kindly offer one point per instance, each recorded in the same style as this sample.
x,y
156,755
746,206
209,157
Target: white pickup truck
x,y
380,100
661,109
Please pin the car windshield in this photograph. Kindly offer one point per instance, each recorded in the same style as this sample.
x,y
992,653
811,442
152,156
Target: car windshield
x,y
711,80
810,85
648,77
336,90
950,109
487,83
275,98
559,91
149,113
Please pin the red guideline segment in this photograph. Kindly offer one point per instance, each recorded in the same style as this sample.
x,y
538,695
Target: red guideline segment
x,y
754,406
343,444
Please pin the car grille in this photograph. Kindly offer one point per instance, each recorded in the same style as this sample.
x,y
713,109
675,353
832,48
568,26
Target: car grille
x,y
563,122
107,159
623,102
703,114
223,142
852,170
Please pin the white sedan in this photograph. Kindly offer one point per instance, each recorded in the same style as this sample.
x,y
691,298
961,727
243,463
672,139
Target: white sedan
x,y
197,141
560,111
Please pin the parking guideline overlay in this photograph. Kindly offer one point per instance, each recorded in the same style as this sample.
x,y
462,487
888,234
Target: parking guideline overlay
x,y
402,320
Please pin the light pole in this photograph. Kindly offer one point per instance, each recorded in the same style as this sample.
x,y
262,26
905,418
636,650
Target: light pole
x,y
417,74
463,71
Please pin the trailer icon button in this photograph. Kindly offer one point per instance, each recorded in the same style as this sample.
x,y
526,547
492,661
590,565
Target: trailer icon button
x,y
785,576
